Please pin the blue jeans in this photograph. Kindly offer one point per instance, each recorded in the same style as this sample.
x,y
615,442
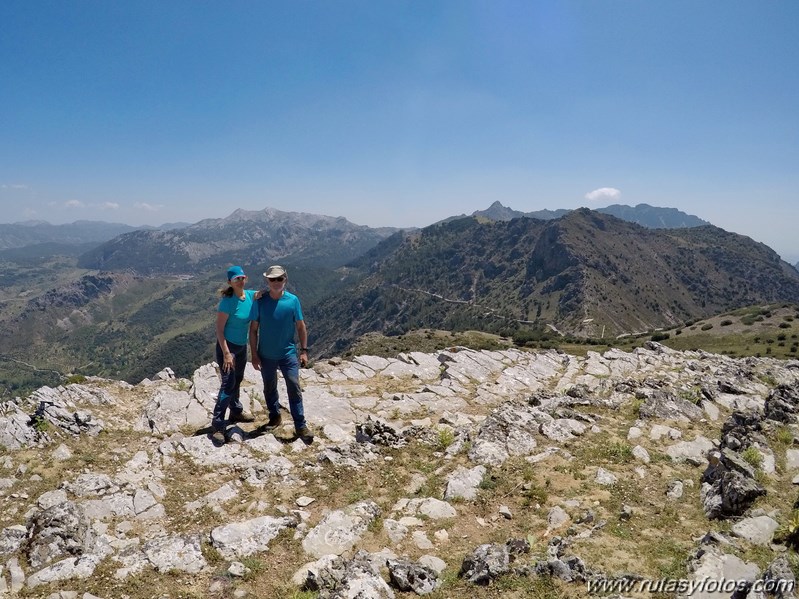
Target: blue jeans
x,y
290,367
231,382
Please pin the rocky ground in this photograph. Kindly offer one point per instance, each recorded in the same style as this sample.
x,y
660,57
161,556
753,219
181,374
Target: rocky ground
x,y
457,473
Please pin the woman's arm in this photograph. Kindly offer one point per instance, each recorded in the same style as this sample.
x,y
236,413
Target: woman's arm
x,y
227,357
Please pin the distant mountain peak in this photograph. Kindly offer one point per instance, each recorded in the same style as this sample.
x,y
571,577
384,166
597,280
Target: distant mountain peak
x,y
244,237
588,273
274,215
652,217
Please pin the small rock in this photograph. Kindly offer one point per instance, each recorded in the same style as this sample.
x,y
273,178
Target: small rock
x,y
62,453
420,540
605,478
557,517
641,454
626,513
675,490
436,564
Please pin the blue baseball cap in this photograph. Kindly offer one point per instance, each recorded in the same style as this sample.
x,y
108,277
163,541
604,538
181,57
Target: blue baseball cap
x,y
235,271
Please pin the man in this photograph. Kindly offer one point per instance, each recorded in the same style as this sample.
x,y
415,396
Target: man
x,y
275,318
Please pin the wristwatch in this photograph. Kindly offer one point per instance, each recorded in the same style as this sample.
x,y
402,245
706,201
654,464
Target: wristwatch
x,y
303,349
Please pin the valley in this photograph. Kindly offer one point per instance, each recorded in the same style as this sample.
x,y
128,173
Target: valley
x,y
579,281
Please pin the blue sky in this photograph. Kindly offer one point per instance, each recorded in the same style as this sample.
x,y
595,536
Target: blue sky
x,y
400,113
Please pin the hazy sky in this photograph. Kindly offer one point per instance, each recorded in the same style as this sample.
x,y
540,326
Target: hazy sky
x,y
400,113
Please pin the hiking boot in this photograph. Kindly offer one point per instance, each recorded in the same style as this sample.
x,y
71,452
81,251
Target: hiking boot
x,y
274,422
218,438
305,434
242,417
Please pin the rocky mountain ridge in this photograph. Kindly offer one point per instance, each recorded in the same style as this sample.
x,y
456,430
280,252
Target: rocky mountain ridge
x,y
653,217
445,474
586,273
243,237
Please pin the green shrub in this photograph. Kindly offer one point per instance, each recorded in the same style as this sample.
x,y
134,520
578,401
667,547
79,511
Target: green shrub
x,y
725,322
445,438
39,424
752,456
618,452
789,533
706,327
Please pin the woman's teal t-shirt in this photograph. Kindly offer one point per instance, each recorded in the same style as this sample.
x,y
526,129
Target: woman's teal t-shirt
x,y
237,327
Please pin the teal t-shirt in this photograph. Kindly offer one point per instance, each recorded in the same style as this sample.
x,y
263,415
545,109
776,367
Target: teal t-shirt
x,y
237,327
277,327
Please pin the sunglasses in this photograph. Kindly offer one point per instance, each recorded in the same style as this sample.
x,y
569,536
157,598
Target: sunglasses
x,y
239,278
277,280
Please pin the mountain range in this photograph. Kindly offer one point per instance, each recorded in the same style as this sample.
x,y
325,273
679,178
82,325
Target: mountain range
x,y
585,273
16,235
244,237
138,301
642,214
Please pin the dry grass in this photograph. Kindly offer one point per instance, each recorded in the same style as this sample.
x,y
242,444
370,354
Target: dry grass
x,y
655,542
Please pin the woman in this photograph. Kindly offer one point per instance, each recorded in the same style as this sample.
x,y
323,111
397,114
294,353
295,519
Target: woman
x,y
232,328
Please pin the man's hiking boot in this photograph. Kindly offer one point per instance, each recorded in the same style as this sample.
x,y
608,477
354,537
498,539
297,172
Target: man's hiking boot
x,y
242,417
218,438
305,434
274,422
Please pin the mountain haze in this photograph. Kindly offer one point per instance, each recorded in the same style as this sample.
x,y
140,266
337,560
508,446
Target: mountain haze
x,y
654,217
586,273
245,237
22,234
643,214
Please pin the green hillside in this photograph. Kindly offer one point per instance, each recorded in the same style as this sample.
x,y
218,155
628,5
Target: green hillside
x,y
587,274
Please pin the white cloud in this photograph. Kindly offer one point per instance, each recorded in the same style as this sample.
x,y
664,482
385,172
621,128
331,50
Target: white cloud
x,y
603,194
74,204
109,206
148,207
13,186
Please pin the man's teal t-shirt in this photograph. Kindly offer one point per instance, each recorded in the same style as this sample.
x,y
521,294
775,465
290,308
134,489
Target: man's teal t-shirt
x,y
237,327
277,320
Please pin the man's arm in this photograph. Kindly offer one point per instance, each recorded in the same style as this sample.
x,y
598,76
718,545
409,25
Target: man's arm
x,y
254,357
302,333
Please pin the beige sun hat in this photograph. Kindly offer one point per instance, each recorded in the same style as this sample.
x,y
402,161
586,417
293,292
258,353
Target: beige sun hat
x,y
275,271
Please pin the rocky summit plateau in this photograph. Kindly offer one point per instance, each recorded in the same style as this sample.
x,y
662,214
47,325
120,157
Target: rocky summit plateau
x,y
457,473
